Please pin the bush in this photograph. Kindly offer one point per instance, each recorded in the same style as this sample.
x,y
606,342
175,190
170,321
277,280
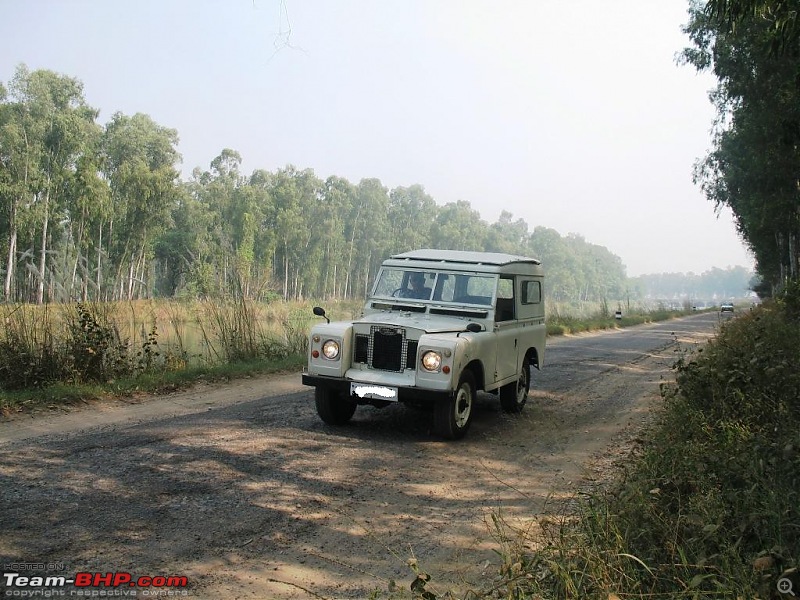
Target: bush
x,y
30,355
711,507
97,352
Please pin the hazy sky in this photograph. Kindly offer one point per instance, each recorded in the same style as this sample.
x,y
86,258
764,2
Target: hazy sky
x,y
571,114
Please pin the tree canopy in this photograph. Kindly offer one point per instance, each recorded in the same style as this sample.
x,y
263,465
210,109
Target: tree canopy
x,y
753,47
99,212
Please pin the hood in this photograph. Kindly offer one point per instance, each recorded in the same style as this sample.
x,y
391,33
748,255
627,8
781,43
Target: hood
x,y
423,321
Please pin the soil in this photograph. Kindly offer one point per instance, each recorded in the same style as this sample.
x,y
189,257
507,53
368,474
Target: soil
x,y
241,488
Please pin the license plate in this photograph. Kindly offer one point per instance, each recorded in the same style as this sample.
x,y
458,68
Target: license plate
x,y
376,392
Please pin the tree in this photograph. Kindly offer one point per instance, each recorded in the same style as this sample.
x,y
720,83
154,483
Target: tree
x,y
753,48
368,234
780,17
45,129
459,227
140,159
506,235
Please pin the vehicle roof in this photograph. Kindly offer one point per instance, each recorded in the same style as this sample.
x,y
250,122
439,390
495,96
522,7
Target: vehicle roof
x,y
462,256
461,259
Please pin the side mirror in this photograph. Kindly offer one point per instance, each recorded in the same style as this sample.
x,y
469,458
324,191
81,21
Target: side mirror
x,y
320,312
474,328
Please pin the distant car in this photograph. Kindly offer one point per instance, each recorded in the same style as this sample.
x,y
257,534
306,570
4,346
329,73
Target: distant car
x,y
726,311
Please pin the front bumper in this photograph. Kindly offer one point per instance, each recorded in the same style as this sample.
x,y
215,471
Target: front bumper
x,y
404,393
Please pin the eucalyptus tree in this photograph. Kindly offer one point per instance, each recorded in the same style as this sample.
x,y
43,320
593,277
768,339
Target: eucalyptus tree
x,y
19,160
506,235
369,236
182,250
458,226
265,239
752,46
296,194
140,159
563,281
90,206
231,223
336,206
779,16
411,216
45,129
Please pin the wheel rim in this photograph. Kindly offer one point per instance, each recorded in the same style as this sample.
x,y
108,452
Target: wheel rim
x,y
463,406
522,386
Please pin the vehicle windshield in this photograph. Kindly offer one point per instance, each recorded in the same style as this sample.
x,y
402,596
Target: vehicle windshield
x,y
435,286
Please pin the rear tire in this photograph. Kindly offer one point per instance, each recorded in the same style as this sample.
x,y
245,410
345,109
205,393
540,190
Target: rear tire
x,y
332,407
514,395
452,416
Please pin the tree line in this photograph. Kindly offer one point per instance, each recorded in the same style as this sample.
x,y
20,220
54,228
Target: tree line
x,y
94,212
714,285
753,49
99,212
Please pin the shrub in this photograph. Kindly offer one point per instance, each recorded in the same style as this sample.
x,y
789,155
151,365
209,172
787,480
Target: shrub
x,y
711,507
31,356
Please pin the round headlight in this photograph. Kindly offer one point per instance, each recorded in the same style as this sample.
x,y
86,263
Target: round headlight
x,y
431,361
330,349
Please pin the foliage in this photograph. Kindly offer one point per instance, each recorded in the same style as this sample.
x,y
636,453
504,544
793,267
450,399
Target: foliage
x,y
709,508
753,48
93,213
733,282
30,354
559,323
97,352
118,347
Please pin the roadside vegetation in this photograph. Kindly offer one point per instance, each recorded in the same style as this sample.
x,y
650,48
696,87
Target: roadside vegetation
x,y
56,354
99,212
710,505
63,353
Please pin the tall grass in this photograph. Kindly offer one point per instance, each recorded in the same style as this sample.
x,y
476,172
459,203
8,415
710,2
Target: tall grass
x,y
128,345
142,343
711,506
593,317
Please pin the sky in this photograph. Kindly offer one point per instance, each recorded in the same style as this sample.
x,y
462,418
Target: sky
x,y
569,114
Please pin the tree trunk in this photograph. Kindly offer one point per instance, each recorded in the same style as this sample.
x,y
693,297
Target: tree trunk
x,y
43,256
99,258
78,249
285,273
12,251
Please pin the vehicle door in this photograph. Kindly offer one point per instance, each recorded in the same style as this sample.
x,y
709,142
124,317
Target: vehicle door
x,y
506,330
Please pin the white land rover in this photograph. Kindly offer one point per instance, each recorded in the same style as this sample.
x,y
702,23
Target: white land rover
x,y
439,326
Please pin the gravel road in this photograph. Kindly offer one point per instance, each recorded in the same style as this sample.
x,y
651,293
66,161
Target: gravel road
x,y
243,490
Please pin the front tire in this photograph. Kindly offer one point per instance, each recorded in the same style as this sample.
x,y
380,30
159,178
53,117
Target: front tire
x,y
452,416
514,395
332,407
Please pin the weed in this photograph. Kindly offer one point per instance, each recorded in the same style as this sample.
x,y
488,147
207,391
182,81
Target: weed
x,y
710,507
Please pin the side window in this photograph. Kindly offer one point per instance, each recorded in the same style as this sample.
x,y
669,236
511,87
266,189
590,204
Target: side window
x,y
505,288
504,310
531,292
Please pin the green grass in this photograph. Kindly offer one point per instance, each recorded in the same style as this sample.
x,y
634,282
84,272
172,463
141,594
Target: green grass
x,y
710,508
61,354
558,324
65,394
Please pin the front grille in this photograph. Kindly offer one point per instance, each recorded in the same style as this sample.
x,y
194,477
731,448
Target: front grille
x,y
386,349
411,355
361,351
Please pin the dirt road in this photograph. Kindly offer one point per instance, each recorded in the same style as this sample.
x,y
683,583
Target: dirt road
x,y
243,490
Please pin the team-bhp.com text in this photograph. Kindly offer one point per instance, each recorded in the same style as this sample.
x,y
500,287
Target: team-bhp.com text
x,y
121,584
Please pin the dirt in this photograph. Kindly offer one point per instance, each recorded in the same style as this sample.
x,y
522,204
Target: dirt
x,y
242,489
